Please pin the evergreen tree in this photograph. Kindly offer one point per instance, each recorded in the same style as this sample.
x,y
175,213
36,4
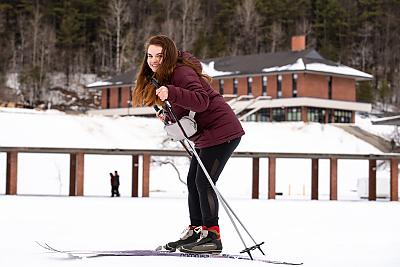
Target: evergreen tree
x,y
39,37
365,92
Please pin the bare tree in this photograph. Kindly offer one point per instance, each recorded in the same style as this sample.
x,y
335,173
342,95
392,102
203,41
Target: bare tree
x,y
38,45
101,50
174,30
119,17
46,51
127,50
303,27
189,16
37,71
248,22
26,52
35,23
22,39
276,35
14,52
168,27
362,50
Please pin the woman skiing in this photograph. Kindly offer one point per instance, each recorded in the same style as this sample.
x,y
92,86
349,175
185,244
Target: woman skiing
x,y
218,132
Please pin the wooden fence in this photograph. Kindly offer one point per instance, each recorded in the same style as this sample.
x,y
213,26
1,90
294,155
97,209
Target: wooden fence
x,y
77,168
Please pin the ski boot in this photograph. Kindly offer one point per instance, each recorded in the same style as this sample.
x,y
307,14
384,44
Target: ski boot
x,y
208,242
189,235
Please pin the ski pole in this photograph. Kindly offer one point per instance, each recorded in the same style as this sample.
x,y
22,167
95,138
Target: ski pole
x,y
224,203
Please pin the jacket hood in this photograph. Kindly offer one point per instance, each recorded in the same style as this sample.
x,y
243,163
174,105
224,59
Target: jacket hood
x,y
188,56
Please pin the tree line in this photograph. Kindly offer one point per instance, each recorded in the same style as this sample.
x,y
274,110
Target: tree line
x,y
106,37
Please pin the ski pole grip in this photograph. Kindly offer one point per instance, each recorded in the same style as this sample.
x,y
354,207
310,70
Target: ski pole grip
x,y
158,110
168,104
155,82
157,85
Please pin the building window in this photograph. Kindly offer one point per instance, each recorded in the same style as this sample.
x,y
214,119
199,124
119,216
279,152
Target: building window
x,y
316,115
342,116
264,114
119,97
251,117
294,114
279,86
221,86
108,97
294,85
330,87
130,97
330,115
249,85
235,86
278,114
264,85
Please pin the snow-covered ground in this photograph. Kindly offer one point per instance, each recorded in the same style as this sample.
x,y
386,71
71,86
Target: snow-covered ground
x,y
348,232
319,233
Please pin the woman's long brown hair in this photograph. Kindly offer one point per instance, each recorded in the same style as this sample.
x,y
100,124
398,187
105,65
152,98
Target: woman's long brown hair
x,y
144,93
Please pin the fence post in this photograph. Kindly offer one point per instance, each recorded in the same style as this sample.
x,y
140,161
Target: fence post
x,y
271,177
11,173
333,179
146,176
314,179
372,180
76,174
135,175
256,178
394,180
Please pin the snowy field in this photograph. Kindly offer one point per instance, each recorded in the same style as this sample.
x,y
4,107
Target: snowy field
x,y
348,232
319,233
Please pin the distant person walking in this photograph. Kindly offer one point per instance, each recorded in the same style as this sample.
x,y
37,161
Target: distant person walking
x,y
114,184
393,145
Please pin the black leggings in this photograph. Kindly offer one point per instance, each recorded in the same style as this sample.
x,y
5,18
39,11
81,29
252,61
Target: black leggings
x,y
203,202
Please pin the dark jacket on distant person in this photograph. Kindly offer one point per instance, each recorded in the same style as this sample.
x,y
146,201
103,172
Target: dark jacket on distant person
x,y
115,180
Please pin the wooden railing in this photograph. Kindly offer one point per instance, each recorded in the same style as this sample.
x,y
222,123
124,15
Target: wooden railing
x,y
77,168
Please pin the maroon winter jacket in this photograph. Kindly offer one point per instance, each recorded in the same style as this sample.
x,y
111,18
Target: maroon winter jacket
x,y
216,121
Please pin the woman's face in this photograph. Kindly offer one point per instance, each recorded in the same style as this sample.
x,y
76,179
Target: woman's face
x,y
154,57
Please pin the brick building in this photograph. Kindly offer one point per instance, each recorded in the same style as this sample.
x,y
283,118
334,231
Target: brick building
x,y
297,85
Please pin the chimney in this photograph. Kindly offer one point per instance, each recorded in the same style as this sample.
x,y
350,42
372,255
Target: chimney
x,y
298,42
